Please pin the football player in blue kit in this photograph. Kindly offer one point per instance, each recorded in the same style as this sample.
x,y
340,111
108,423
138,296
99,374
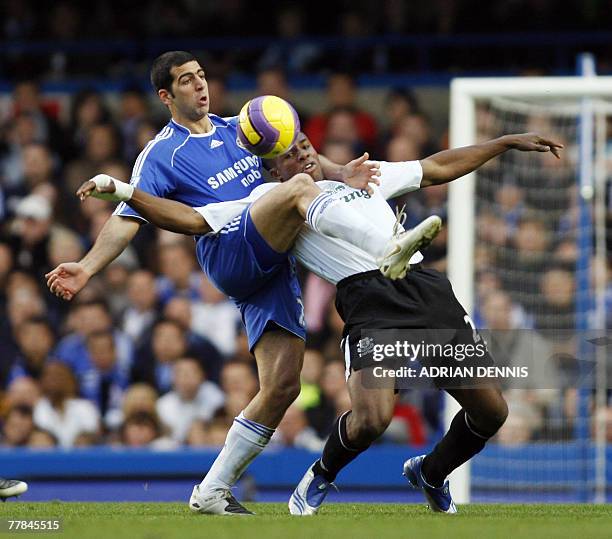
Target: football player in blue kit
x,y
366,300
195,160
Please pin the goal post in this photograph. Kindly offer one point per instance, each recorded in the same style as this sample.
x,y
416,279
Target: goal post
x,y
541,93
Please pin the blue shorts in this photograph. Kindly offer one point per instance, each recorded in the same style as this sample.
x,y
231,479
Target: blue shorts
x,y
262,282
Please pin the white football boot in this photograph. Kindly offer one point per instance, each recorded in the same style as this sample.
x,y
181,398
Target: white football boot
x,y
394,264
216,502
11,487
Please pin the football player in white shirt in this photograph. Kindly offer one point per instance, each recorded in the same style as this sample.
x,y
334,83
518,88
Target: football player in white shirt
x,y
423,299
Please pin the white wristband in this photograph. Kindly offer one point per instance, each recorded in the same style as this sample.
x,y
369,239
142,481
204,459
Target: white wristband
x,y
123,191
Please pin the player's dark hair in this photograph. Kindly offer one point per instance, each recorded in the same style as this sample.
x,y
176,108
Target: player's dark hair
x,y
160,70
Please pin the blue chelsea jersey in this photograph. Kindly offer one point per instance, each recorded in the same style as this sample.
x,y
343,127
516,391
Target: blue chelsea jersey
x,y
195,169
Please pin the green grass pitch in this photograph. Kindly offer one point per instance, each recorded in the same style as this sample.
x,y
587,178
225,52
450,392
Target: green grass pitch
x,y
336,521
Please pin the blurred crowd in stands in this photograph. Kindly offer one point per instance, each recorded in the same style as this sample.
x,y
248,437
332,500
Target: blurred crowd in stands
x,y
70,19
120,39
151,354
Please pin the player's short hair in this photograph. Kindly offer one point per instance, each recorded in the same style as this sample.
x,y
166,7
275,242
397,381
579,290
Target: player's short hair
x,y
160,70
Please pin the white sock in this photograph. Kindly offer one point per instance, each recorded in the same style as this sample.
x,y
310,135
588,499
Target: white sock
x,y
335,218
245,440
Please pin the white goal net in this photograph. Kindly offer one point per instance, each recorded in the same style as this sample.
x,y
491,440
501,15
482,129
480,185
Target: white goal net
x,y
530,253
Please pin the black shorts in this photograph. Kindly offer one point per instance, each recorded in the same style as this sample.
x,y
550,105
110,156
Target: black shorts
x,y
422,305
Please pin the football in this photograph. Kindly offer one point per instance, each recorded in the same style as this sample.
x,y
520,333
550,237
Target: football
x,y
267,126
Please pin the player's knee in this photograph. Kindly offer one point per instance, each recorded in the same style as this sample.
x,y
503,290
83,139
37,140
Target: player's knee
x,y
498,414
301,181
283,392
490,418
301,185
366,433
368,425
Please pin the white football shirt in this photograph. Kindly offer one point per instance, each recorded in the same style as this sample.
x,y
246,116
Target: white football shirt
x,y
330,258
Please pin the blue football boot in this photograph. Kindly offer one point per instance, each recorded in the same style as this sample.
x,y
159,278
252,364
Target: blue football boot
x,y
310,494
439,498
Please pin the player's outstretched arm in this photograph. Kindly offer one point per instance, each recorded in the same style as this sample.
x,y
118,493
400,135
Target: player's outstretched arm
x,y
164,213
449,165
68,279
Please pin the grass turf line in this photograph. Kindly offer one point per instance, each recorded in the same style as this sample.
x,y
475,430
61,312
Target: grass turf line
x,y
337,521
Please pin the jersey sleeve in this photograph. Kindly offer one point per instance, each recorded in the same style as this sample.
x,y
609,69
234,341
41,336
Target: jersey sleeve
x,y
151,176
397,179
218,214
